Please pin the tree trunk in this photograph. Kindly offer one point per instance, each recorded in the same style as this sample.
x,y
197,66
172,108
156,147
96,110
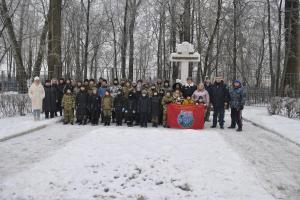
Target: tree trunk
x,y
270,50
86,45
279,48
211,42
124,42
21,73
54,40
41,51
234,67
291,43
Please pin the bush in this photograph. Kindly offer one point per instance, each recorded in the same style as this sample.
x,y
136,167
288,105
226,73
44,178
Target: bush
x,y
12,104
285,106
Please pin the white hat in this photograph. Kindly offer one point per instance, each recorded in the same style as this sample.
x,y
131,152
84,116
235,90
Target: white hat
x,y
36,78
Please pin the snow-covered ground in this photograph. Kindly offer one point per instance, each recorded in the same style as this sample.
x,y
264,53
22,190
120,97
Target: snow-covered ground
x,y
13,126
85,162
286,127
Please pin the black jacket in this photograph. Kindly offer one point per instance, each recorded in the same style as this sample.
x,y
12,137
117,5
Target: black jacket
x,y
188,90
81,103
60,92
131,103
144,105
94,103
119,103
49,102
219,94
155,106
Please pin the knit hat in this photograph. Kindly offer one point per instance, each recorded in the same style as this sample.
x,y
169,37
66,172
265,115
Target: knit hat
x,y
36,78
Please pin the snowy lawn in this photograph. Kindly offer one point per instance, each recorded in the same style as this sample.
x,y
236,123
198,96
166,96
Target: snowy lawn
x,y
286,127
135,163
17,125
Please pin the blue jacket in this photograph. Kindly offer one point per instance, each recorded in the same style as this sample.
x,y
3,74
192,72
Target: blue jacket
x,y
101,91
237,98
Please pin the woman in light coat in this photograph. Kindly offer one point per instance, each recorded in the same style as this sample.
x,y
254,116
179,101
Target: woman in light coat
x,y
36,94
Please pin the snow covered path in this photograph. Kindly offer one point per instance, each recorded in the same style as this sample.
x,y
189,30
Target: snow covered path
x,y
73,162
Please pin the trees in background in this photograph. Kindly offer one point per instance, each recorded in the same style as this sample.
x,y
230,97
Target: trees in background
x,y
256,41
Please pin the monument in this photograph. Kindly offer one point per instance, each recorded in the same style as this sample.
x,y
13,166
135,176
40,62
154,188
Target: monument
x,y
185,53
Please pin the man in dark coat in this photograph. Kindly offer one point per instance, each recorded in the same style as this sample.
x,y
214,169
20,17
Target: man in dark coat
x,y
50,100
119,107
219,99
131,108
144,108
60,94
81,106
94,107
237,102
155,108
189,88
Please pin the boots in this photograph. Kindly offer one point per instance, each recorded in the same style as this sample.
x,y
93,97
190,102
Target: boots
x,y
239,129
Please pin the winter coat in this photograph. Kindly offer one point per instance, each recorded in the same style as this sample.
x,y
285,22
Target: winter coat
x,y
166,100
237,98
201,94
81,103
188,90
119,103
107,103
155,106
144,105
220,95
94,103
114,90
36,94
60,88
131,104
50,100
91,88
208,88
68,102
101,91
126,91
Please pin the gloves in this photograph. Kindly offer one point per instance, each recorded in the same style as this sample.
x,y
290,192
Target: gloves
x,y
126,111
123,109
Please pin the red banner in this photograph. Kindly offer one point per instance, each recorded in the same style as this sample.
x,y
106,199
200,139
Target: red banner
x,y
185,117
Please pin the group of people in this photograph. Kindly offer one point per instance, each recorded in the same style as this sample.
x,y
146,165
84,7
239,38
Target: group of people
x,y
135,103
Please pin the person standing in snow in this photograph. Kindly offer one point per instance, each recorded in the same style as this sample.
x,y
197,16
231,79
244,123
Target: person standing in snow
x,y
50,100
60,94
107,107
155,108
119,107
36,94
68,104
237,102
130,108
144,108
81,106
114,89
219,99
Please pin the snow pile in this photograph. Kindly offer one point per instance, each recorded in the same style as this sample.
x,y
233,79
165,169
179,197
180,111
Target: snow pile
x,y
283,126
133,163
288,107
14,104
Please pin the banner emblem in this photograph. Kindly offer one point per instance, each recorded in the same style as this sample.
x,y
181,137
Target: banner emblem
x,y
185,119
